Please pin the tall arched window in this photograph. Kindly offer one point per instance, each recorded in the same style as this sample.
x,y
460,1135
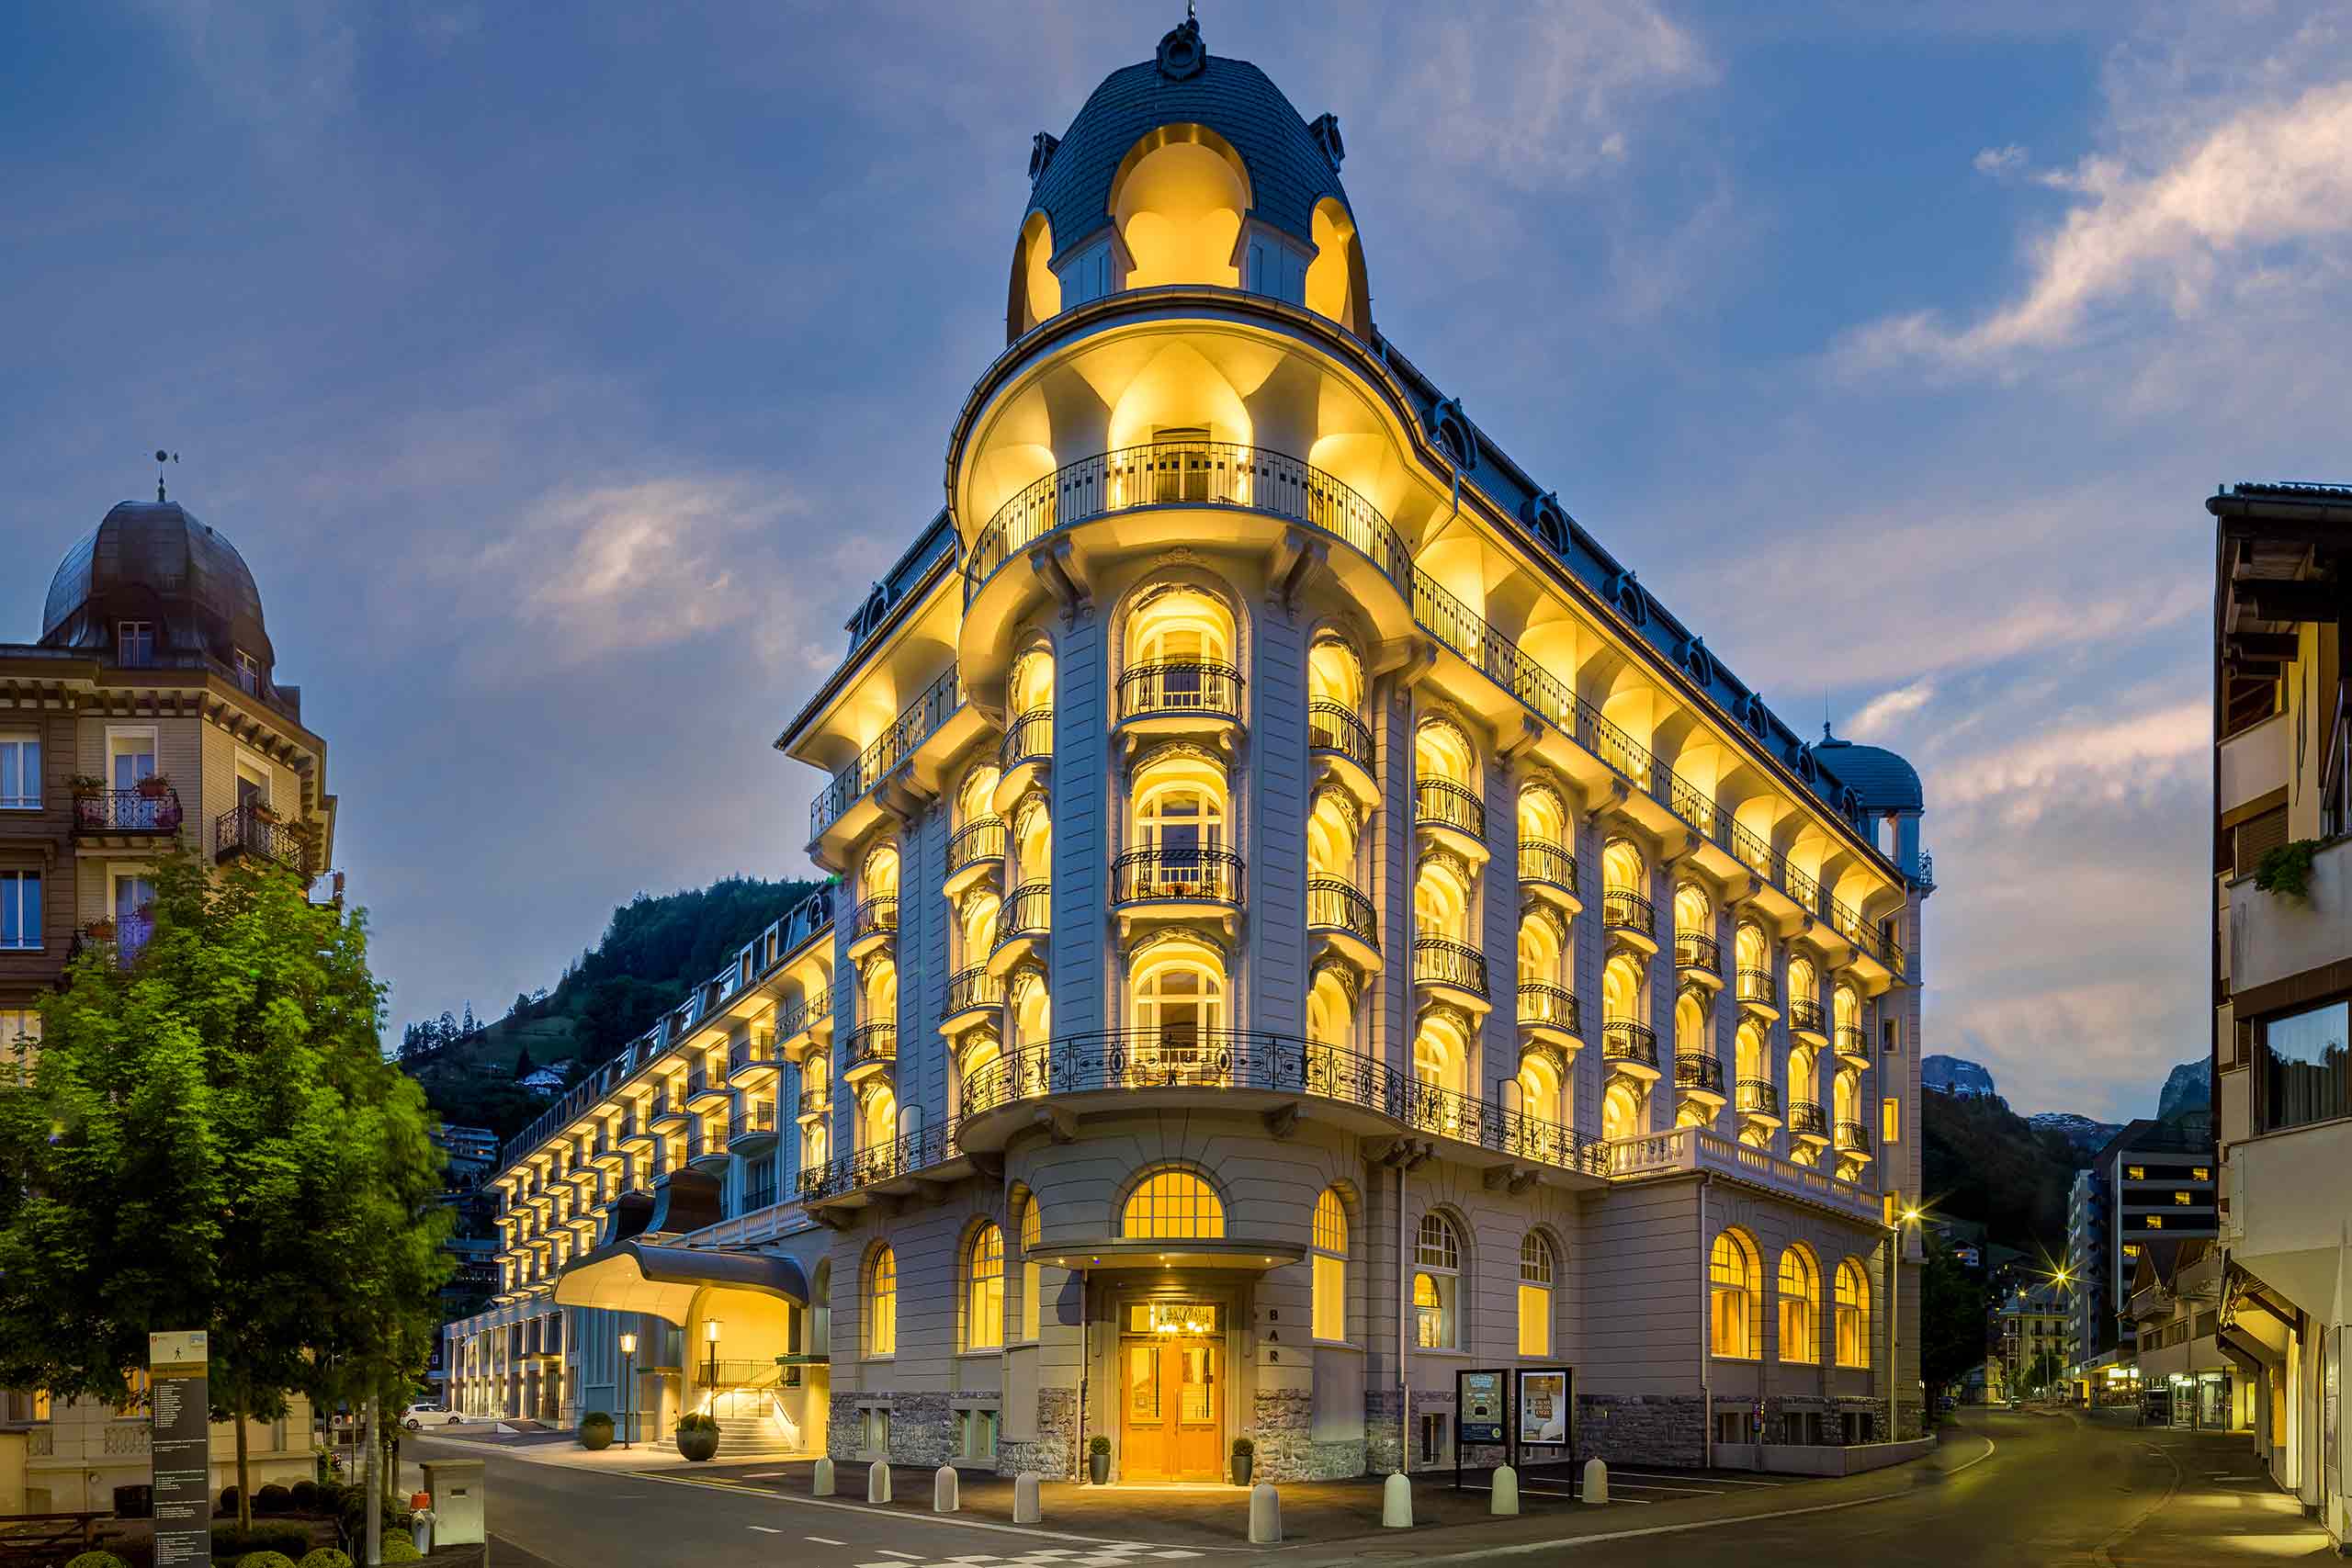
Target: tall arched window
x,y
1732,1291
984,1289
1799,1290
882,1304
1177,1010
1441,1051
1174,1205
1535,1273
1621,870
880,877
1542,1090
1853,1316
1437,1282
1620,1112
1032,1009
877,1118
1330,1251
1180,810
1031,1283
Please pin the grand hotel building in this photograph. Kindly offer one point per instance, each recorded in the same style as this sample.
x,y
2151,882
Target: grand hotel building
x,y
1309,920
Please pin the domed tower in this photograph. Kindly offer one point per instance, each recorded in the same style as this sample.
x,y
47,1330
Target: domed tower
x,y
147,712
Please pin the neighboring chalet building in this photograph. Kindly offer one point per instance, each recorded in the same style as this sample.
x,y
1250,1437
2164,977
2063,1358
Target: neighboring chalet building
x,y
1310,922
147,715
2282,981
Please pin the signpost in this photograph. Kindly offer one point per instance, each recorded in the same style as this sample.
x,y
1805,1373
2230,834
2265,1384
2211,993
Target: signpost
x,y
180,1449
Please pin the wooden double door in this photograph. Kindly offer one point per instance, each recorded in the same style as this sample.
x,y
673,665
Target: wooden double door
x,y
1172,1408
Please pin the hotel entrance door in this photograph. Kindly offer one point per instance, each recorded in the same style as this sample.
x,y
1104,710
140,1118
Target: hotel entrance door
x,y
1172,1393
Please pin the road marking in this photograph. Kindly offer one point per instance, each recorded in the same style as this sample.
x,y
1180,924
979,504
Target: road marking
x,y
765,1530
907,1556
1529,1549
824,1540
1084,1543
766,1475
1711,1480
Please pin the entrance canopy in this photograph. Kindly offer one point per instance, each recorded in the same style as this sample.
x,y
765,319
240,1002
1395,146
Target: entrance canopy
x,y
636,1276
1191,1252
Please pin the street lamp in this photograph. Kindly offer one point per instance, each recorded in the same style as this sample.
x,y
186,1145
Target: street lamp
x,y
629,1382
710,1334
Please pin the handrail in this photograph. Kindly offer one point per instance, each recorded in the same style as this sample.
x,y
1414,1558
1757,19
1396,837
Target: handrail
x,y
1701,1070
1622,910
1757,1097
1853,1137
1850,1041
981,839
875,917
1028,735
915,1150
124,811
1450,804
1180,687
876,1041
1806,1117
256,828
1623,1040
759,1116
1805,1013
1553,1006
1162,874
1448,962
1541,860
1335,905
1334,727
1696,950
971,986
921,718
1027,910
1756,985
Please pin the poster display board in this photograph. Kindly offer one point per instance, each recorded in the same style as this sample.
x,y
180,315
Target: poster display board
x,y
1545,1402
1481,1403
180,1449
1527,1412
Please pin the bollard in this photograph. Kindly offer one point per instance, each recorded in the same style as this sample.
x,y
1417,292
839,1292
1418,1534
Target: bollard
x,y
1396,1503
1265,1514
943,1490
1503,1498
877,1481
1596,1482
821,1479
1024,1498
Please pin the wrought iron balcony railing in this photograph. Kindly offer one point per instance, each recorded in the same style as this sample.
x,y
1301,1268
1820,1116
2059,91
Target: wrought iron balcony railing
x,y
1331,727
1756,985
754,1119
1757,1097
1445,962
127,811
1805,1013
1552,1006
1028,911
1182,686
1853,1137
1541,859
1027,738
921,718
1699,1070
1623,1040
971,987
1445,804
1807,1118
980,839
1334,905
758,1050
1851,1042
877,916
1696,950
1622,910
872,1042
255,831
1167,874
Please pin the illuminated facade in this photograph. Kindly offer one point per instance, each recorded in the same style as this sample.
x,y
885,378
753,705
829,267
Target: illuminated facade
x,y
1309,920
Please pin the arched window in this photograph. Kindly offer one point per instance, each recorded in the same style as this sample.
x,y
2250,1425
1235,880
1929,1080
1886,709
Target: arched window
x,y
1177,1010
1755,1063
816,1145
1693,915
1437,1282
1032,1005
1620,1112
1334,674
1542,1090
1036,293
984,1289
1174,1205
1335,279
1033,842
1620,990
1441,1051
1853,1316
1330,1009
880,877
1330,1251
1442,899
878,992
976,924
1621,870
1180,810
882,1304
1442,752
1031,1284
976,800
1732,1290
1178,199
1542,819
1534,1296
1031,689
1800,1289
1331,829
878,1119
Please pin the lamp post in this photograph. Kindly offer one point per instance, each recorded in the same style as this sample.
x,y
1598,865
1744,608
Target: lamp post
x,y
710,1337
629,1384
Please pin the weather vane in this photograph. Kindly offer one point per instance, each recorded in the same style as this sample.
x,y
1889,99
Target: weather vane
x,y
162,458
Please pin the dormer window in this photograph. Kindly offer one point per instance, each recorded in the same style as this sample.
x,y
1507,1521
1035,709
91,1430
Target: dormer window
x,y
134,644
248,673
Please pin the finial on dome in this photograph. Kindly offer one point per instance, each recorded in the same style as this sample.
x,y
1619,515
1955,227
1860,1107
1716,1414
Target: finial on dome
x,y
162,457
1181,54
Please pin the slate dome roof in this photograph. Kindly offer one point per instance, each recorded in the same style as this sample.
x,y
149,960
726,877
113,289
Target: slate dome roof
x,y
1290,170
156,561
1880,779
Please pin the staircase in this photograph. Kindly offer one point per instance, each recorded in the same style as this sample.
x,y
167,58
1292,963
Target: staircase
x,y
750,1421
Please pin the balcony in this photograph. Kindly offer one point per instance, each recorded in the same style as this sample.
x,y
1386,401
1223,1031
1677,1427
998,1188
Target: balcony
x,y
1547,871
2255,763
751,1063
255,830
875,1164
705,1087
1853,1046
1852,1140
816,1102
1758,1100
872,925
975,854
1452,814
1757,993
1340,744
1342,919
872,1049
973,996
2273,937
1451,972
630,1135
1022,921
1629,919
1547,1015
1177,882
1688,1149
753,1131
923,718
706,1147
1628,1047
1806,1019
1808,1121
1698,1075
1180,697
1024,755
1699,957
664,1112
127,813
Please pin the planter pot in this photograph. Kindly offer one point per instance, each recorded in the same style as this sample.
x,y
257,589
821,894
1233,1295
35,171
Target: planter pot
x,y
595,1435
1242,1464
699,1444
153,789
1097,1469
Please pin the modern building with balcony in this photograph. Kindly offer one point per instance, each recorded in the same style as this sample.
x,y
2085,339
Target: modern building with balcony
x,y
2149,1188
1308,921
2282,970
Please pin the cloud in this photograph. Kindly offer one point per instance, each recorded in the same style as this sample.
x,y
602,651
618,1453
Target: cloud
x,y
2000,160
2094,760
2224,214
1884,711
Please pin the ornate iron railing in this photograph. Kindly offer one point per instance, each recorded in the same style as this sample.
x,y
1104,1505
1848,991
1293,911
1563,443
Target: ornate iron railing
x,y
1028,737
971,987
1334,905
1756,985
1445,962
754,1120
1699,1070
1853,1137
872,1042
877,916
893,746
1623,1040
1805,1013
1696,950
1165,875
982,839
1541,859
1552,1006
1331,727
914,1150
1449,805
1621,909
1180,687
1807,1118
1851,1042
1028,911
1757,1097
127,811
255,831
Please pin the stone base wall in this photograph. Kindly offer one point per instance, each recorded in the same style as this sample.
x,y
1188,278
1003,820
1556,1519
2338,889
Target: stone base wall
x,y
1282,1424
1634,1429
1382,1454
921,1432
1053,1453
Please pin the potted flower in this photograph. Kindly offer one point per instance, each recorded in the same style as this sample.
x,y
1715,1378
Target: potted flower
x,y
101,928
89,800
88,787
155,786
1097,1460
697,1435
595,1431
1245,1456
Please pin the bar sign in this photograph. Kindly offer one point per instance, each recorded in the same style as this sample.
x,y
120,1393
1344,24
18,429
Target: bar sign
x,y
180,1457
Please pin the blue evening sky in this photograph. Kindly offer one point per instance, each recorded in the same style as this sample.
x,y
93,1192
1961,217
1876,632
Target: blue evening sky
x,y
567,373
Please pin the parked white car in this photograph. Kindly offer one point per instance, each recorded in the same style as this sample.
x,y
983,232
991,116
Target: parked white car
x,y
416,1418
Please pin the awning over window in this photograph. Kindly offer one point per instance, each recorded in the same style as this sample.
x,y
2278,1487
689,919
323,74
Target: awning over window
x,y
635,1276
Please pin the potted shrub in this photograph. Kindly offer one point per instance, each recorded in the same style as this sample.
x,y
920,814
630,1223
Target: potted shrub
x,y
102,930
595,1431
88,787
1245,1457
1097,1460
697,1435
155,786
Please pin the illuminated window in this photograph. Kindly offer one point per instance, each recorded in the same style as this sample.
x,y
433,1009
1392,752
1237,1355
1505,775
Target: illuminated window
x,y
1800,1289
2130,1249
2181,1200
1032,1232
882,1304
1174,1205
1436,1285
2135,1173
1534,1296
2201,1173
2155,1222
984,1291
1853,1316
1890,1120
1732,1289
1330,1267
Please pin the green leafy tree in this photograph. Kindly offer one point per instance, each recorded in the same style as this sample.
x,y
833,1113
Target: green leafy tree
x,y
2044,1370
1951,1318
208,1136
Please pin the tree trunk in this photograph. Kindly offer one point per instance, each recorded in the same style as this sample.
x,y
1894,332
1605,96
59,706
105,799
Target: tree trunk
x,y
245,1482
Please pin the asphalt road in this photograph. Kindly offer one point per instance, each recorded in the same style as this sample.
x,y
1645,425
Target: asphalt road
x,y
2007,1489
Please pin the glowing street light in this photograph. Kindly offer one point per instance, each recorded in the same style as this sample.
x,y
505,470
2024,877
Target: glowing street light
x,y
629,1382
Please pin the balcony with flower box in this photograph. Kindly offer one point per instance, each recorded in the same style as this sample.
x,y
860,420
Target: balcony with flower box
x,y
124,817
